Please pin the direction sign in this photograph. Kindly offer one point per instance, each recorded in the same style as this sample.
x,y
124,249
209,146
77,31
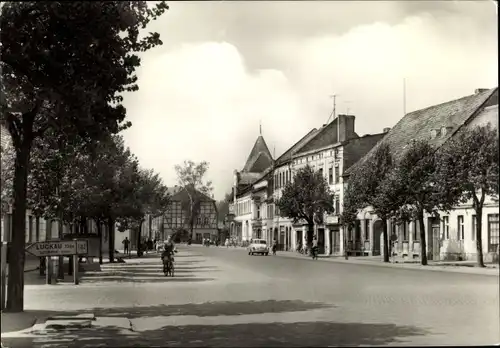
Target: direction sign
x,y
58,248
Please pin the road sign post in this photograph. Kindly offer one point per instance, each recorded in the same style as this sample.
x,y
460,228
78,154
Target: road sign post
x,y
75,263
48,270
56,248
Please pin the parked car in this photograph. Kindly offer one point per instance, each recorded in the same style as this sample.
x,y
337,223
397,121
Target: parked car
x,y
258,246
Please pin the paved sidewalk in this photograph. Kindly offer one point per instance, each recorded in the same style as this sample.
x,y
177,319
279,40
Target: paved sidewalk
x,y
491,270
18,321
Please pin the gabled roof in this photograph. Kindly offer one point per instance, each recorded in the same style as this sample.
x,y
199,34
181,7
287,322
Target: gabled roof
x,y
296,147
325,136
181,194
260,158
417,125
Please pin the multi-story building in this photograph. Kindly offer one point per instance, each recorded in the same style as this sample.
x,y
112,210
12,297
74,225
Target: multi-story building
x,y
331,150
248,212
451,235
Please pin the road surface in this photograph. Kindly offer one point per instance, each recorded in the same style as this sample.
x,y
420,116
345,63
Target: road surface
x,y
224,297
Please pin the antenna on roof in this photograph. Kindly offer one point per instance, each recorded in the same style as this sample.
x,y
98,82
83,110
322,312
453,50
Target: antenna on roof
x,y
274,151
334,97
260,127
347,107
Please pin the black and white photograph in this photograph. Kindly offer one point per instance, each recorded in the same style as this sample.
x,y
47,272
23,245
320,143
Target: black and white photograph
x,y
249,173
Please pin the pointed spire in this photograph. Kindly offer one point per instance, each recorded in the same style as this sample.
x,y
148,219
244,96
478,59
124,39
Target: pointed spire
x,y
260,127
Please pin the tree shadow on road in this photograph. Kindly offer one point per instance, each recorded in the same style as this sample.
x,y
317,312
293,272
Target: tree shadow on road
x,y
209,309
132,279
300,334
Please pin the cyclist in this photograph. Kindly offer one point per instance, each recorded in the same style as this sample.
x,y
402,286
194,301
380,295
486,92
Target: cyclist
x,y
168,250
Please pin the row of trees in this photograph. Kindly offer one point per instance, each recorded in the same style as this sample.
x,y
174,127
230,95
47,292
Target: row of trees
x,y
426,180
62,98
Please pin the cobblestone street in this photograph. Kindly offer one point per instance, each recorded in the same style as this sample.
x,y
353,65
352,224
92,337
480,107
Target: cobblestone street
x,y
224,297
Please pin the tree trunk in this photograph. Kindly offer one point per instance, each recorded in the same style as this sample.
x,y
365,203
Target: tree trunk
x,y
386,239
423,241
111,239
99,235
139,232
310,233
15,287
479,236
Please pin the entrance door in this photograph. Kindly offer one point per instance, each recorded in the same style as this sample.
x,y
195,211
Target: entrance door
x,y
299,237
321,240
281,242
334,240
377,234
434,240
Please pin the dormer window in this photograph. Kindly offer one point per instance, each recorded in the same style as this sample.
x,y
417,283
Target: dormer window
x,y
435,133
445,131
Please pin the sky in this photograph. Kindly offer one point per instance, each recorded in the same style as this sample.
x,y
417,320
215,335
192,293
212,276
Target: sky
x,y
226,67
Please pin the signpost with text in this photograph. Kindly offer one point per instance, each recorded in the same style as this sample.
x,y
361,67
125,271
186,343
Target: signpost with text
x,y
59,248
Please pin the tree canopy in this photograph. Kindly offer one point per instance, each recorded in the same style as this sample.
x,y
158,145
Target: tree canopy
x,y
468,172
307,197
191,177
364,190
64,67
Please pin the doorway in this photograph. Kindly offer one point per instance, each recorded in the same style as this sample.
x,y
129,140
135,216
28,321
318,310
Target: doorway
x,y
334,240
434,240
321,240
377,233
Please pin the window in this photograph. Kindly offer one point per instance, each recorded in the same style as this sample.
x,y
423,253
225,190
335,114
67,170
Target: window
x,y
258,212
460,227
321,172
330,175
493,233
446,227
404,231
474,227
416,231
337,206
337,175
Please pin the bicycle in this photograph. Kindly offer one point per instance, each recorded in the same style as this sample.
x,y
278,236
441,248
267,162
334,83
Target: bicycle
x,y
168,268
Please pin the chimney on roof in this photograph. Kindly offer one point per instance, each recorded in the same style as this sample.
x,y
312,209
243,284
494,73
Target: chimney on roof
x,y
386,129
346,124
480,90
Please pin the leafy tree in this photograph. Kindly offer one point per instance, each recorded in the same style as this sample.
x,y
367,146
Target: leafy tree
x,y
191,177
149,197
49,79
365,189
223,207
411,185
307,197
468,170
7,172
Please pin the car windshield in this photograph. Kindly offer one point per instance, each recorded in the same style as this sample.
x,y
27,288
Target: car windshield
x,y
260,242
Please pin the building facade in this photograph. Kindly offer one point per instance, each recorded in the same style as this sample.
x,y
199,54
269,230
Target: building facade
x,y
451,236
249,216
330,149
177,217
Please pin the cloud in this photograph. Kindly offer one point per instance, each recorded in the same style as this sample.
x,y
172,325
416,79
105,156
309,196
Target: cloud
x,y
202,97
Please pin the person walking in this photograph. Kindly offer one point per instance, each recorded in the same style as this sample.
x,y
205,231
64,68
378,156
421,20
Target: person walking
x,y
126,244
